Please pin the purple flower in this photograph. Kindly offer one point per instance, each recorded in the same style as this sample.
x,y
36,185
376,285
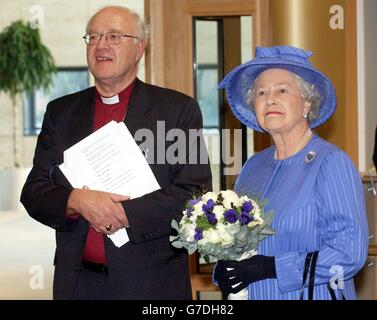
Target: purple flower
x,y
230,216
245,218
247,207
211,218
208,207
189,212
193,202
198,234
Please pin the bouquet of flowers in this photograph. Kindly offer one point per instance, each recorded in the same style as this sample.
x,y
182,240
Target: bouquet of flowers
x,y
222,226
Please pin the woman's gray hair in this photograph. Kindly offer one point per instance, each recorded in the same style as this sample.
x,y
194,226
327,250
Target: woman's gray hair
x,y
309,92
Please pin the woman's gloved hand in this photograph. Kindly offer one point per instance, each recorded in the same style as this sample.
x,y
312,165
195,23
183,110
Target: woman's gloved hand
x,y
244,272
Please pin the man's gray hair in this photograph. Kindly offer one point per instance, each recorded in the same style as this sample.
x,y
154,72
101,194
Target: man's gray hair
x,y
309,92
141,29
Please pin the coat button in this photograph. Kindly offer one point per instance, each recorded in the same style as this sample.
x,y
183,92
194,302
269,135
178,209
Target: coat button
x,y
76,267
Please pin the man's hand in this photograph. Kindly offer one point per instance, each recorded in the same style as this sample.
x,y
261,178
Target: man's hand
x,y
100,209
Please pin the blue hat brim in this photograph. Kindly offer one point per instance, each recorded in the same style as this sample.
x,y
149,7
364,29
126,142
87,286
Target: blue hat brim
x,y
238,82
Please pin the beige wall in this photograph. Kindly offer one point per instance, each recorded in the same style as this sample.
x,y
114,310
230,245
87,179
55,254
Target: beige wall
x,y
64,26
367,78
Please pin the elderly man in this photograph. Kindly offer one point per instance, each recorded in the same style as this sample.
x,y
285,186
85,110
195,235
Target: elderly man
x,y
87,264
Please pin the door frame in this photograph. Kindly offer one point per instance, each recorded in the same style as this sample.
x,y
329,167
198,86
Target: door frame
x,y
170,51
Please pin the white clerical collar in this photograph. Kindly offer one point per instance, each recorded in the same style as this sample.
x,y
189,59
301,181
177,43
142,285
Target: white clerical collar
x,y
111,100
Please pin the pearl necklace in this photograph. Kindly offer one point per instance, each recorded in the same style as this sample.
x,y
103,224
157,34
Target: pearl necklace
x,y
301,144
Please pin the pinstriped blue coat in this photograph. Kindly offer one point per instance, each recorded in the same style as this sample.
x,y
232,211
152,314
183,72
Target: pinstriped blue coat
x,y
318,205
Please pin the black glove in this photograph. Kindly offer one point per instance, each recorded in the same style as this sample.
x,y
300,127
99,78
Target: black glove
x,y
244,272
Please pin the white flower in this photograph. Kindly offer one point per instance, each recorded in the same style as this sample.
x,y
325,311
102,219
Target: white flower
x,y
226,238
229,198
256,212
245,198
229,194
209,195
197,210
211,236
219,212
254,223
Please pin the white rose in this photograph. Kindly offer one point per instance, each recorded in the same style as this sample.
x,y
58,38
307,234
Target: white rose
x,y
256,213
228,194
256,208
245,198
198,208
254,223
231,199
219,212
226,238
209,195
211,236
257,221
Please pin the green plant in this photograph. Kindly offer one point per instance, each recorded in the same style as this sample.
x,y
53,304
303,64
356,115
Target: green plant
x,y
25,64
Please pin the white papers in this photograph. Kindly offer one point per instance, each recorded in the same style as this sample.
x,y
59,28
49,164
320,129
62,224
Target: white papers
x,y
110,160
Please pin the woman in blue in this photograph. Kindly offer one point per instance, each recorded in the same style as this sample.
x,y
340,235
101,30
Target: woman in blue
x,y
312,186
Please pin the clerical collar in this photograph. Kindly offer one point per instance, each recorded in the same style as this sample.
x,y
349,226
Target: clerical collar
x,y
120,97
111,100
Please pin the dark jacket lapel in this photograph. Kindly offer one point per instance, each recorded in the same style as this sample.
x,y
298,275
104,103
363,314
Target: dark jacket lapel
x,y
81,124
139,105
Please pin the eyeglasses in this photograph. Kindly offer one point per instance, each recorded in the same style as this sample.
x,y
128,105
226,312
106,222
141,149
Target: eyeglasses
x,y
92,39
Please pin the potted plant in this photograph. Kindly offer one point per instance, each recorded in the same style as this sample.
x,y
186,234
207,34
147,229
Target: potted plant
x,y
25,64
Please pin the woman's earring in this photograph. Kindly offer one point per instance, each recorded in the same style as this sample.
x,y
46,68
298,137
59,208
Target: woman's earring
x,y
305,116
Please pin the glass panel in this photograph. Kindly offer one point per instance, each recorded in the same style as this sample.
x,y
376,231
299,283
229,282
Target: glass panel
x,y
206,75
64,82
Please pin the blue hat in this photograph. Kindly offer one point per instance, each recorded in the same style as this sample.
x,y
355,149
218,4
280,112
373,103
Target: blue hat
x,y
240,79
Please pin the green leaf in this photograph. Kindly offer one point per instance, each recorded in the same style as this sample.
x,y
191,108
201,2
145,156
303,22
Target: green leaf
x,y
268,231
177,244
203,224
174,225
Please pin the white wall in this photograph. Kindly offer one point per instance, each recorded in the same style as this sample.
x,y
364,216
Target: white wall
x,y
367,79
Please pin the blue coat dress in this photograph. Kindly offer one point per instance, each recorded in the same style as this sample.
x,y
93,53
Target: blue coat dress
x,y
319,205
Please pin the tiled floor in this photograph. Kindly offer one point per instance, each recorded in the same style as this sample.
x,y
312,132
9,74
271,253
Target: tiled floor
x,y
26,256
